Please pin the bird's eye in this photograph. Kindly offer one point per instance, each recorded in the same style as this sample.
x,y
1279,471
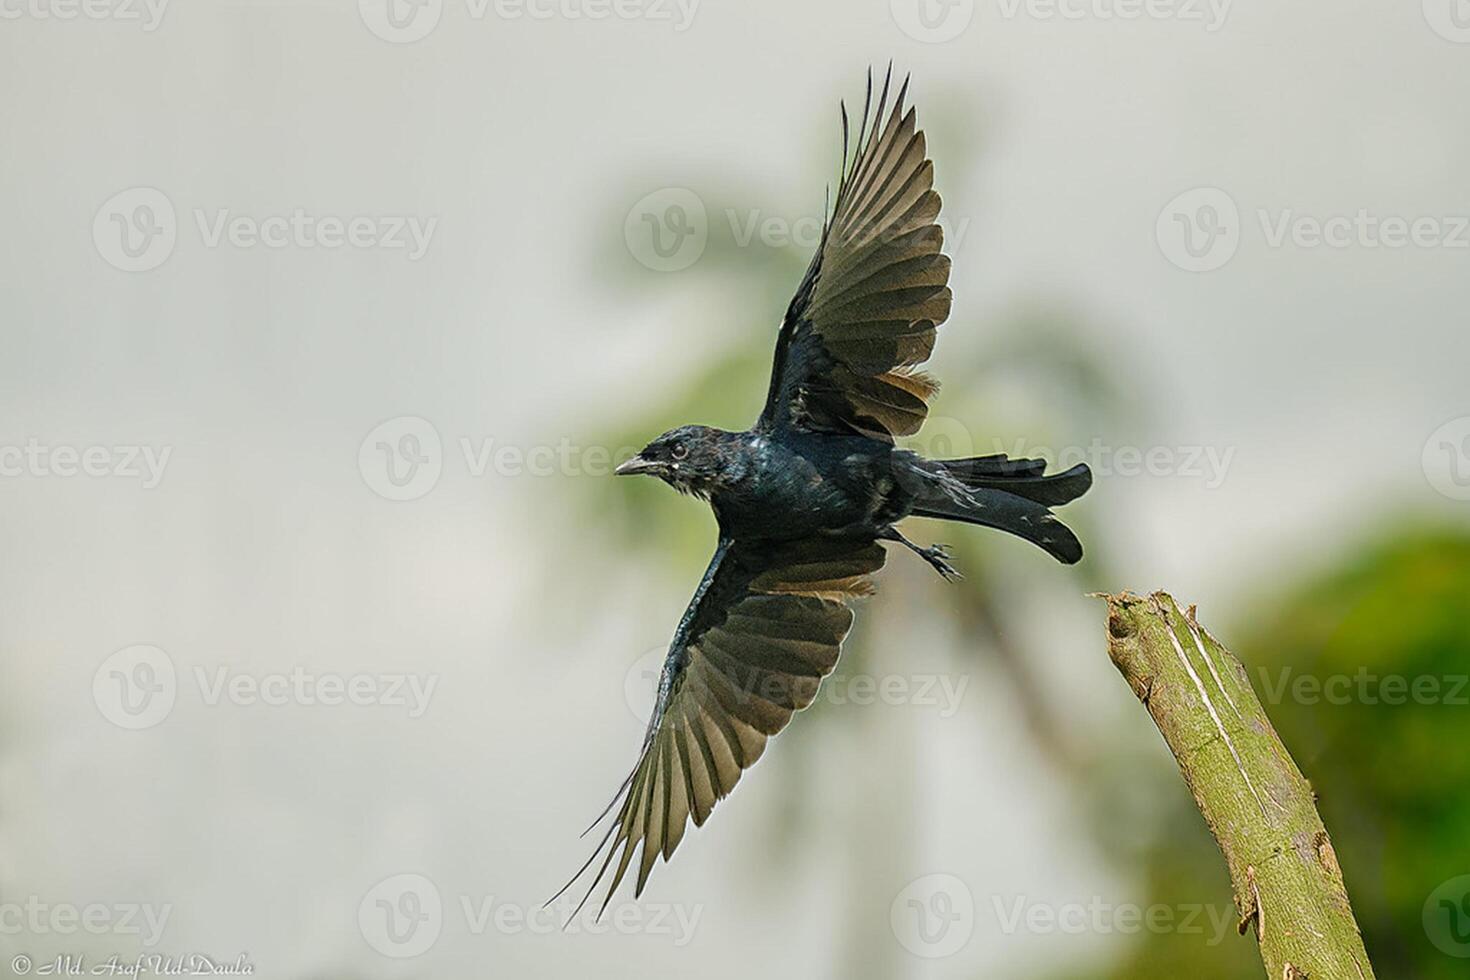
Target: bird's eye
x,y
679,450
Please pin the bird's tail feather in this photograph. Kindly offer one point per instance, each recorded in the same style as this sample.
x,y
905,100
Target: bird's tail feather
x,y
1012,495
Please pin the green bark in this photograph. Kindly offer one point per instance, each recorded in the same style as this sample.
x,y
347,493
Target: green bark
x,y
1260,808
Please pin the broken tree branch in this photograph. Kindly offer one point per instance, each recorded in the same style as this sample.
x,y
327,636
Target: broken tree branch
x,y
1253,797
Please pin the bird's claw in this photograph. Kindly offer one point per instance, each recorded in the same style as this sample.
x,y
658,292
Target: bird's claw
x,y
938,556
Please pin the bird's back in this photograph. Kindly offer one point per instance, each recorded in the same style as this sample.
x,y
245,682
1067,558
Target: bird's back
x,y
797,484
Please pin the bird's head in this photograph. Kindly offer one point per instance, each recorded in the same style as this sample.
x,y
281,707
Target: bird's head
x,y
691,459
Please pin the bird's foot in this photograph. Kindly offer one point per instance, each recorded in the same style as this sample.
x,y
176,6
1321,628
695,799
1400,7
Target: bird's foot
x,y
938,556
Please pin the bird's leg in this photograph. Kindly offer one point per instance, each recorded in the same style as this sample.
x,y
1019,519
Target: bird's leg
x,y
936,555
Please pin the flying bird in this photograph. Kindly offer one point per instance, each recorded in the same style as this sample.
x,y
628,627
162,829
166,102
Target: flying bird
x,y
807,497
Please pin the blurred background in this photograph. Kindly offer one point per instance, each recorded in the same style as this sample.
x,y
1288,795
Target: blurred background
x,y
325,630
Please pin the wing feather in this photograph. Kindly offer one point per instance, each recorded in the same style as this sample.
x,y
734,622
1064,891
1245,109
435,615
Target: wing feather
x,y
678,772
703,790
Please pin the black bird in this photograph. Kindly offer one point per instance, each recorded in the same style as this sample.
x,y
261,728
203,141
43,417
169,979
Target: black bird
x,y
804,497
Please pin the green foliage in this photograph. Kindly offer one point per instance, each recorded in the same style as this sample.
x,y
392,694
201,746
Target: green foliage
x,y
1387,746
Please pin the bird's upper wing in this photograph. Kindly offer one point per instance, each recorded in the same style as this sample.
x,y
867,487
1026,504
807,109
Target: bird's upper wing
x,y
764,627
865,313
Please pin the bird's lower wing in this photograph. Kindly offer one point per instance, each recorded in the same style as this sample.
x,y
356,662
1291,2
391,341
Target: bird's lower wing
x,y
765,626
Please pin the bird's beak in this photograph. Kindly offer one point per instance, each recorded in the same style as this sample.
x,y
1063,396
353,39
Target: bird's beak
x,y
635,465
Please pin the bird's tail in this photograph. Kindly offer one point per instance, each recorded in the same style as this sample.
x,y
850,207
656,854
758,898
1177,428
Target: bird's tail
x,y
1012,495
